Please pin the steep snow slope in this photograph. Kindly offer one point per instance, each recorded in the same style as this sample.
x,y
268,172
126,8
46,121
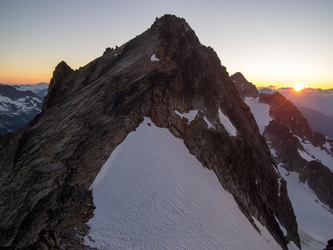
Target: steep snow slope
x,y
260,112
315,220
152,194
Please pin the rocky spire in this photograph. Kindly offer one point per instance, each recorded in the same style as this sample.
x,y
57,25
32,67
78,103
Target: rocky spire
x,y
61,72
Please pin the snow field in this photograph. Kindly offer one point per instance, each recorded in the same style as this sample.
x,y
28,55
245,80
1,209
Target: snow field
x,y
153,194
315,220
311,153
260,112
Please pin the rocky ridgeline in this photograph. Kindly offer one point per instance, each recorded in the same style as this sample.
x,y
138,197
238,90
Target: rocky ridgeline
x,y
285,133
50,164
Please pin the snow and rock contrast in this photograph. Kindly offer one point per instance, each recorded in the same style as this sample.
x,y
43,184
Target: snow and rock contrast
x,y
305,161
82,137
152,193
19,104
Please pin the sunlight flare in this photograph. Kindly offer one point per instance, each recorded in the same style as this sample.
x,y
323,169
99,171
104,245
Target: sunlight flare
x,y
298,86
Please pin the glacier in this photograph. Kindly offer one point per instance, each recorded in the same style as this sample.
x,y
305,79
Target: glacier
x,y
153,194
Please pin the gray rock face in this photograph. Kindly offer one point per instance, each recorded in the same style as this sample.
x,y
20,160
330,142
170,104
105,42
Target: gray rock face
x,y
50,164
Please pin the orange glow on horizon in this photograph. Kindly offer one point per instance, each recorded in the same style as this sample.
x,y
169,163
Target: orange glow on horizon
x,y
25,79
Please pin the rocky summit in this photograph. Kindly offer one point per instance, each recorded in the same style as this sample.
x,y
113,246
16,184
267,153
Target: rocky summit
x,y
48,166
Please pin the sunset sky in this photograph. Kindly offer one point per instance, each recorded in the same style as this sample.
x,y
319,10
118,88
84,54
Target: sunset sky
x,y
271,42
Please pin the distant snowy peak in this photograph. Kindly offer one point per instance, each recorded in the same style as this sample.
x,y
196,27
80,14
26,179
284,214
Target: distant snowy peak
x,y
19,104
39,89
317,99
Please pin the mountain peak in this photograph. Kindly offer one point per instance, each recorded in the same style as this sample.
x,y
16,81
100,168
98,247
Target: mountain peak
x,y
164,74
60,73
244,87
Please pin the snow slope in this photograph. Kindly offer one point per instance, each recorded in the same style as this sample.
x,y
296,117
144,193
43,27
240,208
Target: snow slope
x,y
311,153
315,220
260,112
153,194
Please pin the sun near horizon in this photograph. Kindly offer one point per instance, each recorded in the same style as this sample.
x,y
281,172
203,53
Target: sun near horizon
x,y
298,87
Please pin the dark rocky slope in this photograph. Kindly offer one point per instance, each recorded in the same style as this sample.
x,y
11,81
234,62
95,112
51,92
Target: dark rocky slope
x,y
50,164
285,133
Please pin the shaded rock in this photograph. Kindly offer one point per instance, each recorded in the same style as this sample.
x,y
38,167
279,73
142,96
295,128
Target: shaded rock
x,y
329,245
286,145
56,88
244,88
285,112
319,179
52,162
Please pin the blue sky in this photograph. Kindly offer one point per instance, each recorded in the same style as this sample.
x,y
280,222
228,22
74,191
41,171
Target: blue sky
x,y
270,42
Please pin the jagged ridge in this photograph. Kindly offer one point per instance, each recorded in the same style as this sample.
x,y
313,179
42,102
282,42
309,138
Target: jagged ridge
x,y
88,112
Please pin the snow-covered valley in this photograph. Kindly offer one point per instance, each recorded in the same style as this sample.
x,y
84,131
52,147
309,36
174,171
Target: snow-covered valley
x,y
153,194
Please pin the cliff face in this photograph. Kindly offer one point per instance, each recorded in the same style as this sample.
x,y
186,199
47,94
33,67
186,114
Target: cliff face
x,y
51,163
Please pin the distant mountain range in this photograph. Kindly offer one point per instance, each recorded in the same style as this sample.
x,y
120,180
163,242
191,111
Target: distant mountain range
x,y
315,105
19,104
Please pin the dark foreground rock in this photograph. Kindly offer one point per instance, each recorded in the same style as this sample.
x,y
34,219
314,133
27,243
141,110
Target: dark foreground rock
x,y
50,164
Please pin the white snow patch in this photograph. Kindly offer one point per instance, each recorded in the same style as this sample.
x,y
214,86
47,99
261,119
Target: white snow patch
x,y
209,124
153,58
227,124
260,112
153,194
315,220
283,229
315,153
190,116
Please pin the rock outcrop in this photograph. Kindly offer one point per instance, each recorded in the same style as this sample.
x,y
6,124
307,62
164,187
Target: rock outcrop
x,y
319,179
51,163
61,72
329,245
285,112
244,87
